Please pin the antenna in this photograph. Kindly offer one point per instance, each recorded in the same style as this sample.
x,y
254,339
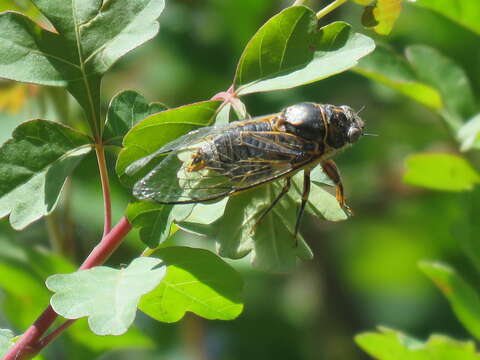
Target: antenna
x,y
369,134
361,109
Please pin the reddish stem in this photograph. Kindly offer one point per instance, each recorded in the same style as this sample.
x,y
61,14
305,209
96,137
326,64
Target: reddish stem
x,y
102,167
29,343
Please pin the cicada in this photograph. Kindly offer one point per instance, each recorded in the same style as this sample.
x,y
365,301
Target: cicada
x,y
218,161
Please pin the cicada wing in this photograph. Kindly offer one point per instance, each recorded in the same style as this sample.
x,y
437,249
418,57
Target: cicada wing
x,y
172,182
182,143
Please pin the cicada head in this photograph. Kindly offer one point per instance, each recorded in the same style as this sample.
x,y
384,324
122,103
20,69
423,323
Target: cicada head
x,y
344,126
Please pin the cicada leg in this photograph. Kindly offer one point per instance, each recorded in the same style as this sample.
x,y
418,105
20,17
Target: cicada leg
x,y
330,168
301,210
285,189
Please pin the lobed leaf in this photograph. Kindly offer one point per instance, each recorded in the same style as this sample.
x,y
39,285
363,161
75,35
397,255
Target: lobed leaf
x,y
440,172
92,292
196,281
388,344
34,165
158,129
464,12
90,37
125,110
463,298
289,51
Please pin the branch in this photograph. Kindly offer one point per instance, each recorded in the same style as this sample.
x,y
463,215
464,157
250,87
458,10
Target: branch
x,y
29,344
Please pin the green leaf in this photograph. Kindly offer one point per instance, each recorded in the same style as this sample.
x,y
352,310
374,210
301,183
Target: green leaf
x,y
272,245
392,70
448,78
463,298
6,342
388,344
469,134
289,51
90,38
34,165
154,221
24,7
440,172
92,292
125,110
157,130
196,281
464,12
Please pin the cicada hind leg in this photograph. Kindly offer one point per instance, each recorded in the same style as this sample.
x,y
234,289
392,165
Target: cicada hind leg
x,y
285,189
330,168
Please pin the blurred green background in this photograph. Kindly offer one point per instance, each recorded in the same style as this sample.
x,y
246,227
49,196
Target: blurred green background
x,y
365,270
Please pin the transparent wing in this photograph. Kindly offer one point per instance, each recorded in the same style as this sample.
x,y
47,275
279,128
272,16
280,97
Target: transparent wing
x,y
238,160
172,182
183,142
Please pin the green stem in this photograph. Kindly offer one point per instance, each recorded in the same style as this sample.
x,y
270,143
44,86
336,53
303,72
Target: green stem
x,y
102,166
330,7
54,233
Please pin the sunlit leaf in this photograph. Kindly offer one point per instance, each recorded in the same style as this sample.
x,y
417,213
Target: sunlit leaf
x,y
440,172
90,38
6,342
92,292
463,298
388,344
33,167
464,12
197,281
469,134
125,110
289,51
158,129
386,13
390,69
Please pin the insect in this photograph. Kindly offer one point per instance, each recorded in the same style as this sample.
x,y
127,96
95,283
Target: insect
x,y
218,161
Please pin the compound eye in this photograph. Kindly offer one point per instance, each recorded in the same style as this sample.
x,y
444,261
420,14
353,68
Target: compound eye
x,y
353,134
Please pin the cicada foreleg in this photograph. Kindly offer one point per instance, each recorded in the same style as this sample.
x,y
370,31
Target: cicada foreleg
x,y
330,168
285,189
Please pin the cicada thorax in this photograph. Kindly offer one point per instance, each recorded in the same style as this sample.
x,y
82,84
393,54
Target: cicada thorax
x,y
332,127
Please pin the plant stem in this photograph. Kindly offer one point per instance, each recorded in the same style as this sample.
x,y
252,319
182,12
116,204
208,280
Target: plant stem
x,y
330,7
54,233
102,166
29,344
